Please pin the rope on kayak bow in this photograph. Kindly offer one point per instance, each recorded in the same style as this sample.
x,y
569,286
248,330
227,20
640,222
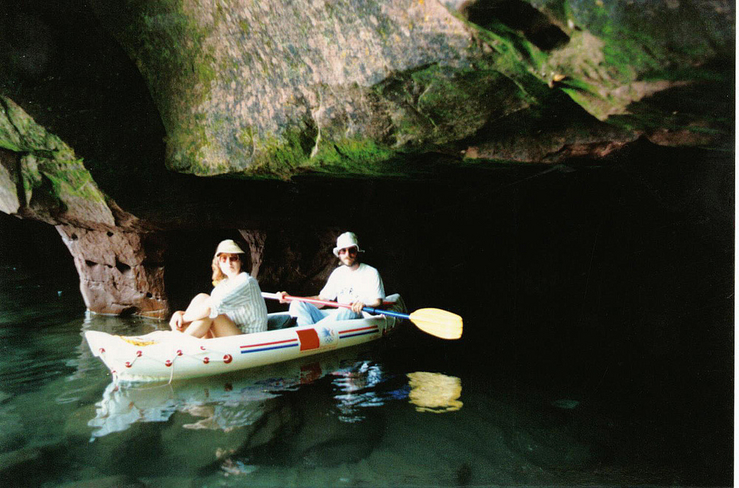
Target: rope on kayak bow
x,y
138,355
225,357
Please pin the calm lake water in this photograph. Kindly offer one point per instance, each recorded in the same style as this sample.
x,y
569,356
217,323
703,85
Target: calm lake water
x,y
624,379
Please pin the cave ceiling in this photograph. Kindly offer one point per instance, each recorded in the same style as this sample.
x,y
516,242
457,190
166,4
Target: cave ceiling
x,y
161,113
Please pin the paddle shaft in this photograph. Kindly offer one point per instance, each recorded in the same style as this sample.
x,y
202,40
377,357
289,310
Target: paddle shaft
x,y
327,303
439,323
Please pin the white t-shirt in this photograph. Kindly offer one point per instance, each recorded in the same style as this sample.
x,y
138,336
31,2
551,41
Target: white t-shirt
x,y
346,285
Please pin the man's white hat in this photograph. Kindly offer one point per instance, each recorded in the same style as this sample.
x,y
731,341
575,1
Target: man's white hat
x,y
347,239
228,246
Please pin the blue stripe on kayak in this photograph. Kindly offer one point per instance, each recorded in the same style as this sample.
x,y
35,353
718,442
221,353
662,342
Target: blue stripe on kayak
x,y
345,336
269,348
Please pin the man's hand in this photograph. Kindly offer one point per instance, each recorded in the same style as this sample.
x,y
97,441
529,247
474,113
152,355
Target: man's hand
x,y
357,307
281,296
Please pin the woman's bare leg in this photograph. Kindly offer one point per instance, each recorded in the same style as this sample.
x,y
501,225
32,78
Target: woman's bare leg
x,y
201,325
196,321
199,328
199,308
224,326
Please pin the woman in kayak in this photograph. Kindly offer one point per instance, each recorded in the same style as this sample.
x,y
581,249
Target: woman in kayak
x,y
235,306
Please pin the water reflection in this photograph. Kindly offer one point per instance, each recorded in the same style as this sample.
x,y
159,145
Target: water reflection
x,y
435,392
220,405
226,402
356,390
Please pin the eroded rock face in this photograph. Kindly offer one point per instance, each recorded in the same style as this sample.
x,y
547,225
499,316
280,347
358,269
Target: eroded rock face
x,y
119,261
275,89
120,271
268,88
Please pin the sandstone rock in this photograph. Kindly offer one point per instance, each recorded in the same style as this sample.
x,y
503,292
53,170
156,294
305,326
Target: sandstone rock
x,y
347,86
120,271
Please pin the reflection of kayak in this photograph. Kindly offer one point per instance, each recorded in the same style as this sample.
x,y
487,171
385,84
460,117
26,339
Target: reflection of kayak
x,y
229,400
166,355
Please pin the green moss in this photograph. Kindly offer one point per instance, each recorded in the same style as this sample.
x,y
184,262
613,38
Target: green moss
x,y
586,95
515,58
514,50
5,144
286,155
189,143
357,156
70,178
170,50
425,103
628,58
280,152
246,137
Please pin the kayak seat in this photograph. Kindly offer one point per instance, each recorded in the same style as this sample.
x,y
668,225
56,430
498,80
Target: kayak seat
x,y
281,321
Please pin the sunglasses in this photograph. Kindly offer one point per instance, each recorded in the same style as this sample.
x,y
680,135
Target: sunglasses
x,y
350,250
225,259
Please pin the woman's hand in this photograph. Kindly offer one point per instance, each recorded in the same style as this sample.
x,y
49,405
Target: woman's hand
x,y
281,296
177,322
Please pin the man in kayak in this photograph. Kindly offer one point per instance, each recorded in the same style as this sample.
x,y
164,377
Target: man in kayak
x,y
235,306
352,283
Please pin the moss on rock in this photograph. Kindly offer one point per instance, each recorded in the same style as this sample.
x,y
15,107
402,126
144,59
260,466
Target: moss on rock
x,y
54,181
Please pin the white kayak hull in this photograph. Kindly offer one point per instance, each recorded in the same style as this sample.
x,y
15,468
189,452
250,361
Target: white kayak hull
x,y
166,355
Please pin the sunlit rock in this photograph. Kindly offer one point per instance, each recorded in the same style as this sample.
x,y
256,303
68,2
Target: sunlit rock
x,y
345,87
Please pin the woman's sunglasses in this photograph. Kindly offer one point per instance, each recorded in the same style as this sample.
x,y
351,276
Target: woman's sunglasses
x,y
224,259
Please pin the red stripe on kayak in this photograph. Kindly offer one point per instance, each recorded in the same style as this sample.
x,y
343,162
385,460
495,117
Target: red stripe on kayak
x,y
372,327
308,339
268,343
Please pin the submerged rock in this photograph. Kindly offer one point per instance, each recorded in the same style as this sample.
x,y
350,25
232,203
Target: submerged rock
x,y
117,481
14,464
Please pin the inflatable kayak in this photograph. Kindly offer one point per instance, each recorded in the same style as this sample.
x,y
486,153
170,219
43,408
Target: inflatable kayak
x,y
166,355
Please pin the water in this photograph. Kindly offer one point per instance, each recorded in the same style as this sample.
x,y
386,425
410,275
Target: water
x,y
407,412
598,351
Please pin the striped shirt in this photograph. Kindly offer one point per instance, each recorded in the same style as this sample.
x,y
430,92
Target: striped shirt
x,y
240,299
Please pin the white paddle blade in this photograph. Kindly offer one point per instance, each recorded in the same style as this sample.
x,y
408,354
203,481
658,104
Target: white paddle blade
x,y
437,322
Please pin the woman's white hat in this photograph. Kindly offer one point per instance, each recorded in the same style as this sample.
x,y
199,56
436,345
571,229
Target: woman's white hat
x,y
347,239
230,247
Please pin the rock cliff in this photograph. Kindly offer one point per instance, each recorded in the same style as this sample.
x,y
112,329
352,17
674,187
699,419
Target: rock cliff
x,y
317,110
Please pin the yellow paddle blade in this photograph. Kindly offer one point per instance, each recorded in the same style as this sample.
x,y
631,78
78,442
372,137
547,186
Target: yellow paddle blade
x,y
437,322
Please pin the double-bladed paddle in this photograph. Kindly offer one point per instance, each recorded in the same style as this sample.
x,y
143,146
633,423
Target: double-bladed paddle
x,y
434,321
